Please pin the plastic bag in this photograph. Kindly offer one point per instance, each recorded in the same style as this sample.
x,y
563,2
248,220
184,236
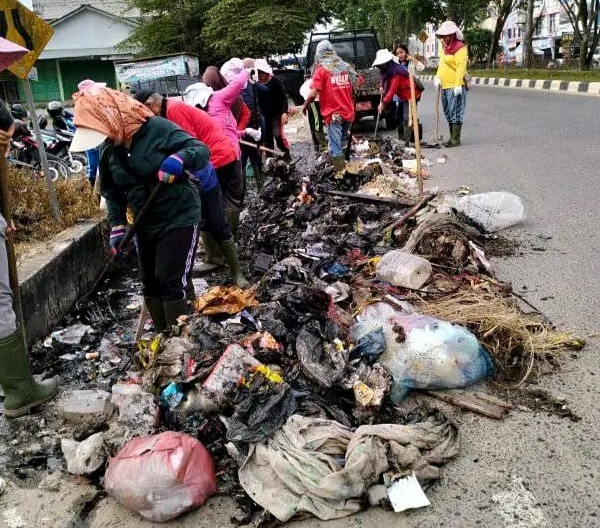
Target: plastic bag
x,y
401,268
492,211
161,476
370,343
427,353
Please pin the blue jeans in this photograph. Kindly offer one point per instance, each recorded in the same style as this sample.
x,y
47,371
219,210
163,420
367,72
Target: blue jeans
x,y
337,132
454,106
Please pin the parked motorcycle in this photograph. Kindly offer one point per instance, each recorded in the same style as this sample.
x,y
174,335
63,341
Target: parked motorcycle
x,y
24,153
57,143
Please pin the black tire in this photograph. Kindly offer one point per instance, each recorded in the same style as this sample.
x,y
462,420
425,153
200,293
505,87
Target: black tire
x,y
61,167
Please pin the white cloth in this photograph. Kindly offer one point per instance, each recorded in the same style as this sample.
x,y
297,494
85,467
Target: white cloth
x,y
322,467
197,94
231,68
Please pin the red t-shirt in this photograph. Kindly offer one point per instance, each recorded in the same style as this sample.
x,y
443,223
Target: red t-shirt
x,y
400,86
335,94
203,127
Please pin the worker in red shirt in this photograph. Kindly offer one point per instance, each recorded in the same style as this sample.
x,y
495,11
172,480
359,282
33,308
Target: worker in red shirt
x,y
333,82
215,229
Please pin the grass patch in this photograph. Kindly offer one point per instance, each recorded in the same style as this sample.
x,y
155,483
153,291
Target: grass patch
x,y
550,75
31,206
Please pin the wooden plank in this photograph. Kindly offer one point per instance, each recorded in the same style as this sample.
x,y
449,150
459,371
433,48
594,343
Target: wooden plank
x,y
470,402
366,198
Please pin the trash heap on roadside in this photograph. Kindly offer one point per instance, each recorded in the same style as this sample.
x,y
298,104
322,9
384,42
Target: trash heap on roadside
x,y
317,391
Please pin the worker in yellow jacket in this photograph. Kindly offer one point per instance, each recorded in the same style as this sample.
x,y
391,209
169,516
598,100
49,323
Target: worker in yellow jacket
x,y
450,77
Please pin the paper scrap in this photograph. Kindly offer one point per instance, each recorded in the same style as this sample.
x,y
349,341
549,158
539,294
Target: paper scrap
x,y
406,493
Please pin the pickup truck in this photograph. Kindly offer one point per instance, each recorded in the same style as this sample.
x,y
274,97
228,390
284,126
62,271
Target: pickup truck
x,y
358,48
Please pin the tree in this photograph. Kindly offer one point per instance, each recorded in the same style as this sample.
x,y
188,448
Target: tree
x,y
393,20
583,16
168,26
260,27
466,13
479,41
503,9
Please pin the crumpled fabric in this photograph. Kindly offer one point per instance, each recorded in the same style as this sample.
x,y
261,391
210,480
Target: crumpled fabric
x,y
225,300
322,467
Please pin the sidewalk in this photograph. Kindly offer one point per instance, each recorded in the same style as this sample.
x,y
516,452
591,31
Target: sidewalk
x,y
576,87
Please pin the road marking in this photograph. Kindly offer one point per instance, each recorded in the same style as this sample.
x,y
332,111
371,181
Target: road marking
x,y
518,507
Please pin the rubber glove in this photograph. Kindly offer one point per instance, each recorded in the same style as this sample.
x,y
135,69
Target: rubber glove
x,y
117,234
206,178
437,82
254,133
171,169
457,91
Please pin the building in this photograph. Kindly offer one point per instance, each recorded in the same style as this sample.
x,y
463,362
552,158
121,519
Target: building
x,y
84,46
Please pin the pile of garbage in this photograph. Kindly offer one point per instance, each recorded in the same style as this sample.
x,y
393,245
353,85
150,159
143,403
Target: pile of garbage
x,y
296,395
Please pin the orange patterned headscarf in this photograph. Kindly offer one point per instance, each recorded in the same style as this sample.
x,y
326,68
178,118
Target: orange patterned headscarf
x,y
110,112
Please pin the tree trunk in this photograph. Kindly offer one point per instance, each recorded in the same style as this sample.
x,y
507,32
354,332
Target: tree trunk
x,y
496,37
527,41
585,59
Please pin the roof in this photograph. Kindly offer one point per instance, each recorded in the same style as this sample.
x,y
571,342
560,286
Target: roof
x,y
53,10
87,7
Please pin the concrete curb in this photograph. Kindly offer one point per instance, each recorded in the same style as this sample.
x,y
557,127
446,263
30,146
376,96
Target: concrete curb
x,y
575,87
58,275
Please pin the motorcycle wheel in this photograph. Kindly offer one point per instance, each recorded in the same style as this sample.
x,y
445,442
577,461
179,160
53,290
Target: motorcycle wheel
x,y
75,166
58,167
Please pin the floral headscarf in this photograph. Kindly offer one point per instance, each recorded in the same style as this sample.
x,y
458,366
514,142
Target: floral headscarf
x,y
110,112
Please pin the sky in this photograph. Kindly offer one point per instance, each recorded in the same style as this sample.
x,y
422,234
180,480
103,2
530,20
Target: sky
x,y
27,3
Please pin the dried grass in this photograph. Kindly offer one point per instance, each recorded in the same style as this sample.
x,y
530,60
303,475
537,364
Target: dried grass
x,y
520,343
31,206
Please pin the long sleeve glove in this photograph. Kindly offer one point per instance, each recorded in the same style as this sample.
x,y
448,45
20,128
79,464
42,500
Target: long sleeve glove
x,y
458,91
437,82
206,178
254,133
171,169
117,234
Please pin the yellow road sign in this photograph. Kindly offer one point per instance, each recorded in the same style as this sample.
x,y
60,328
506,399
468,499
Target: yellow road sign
x,y
22,26
423,36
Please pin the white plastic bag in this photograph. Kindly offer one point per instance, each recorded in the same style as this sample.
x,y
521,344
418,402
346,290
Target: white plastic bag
x,y
401,268
492,211
161,476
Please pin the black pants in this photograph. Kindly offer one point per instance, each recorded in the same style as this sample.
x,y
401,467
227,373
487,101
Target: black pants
x,y
317,126
274,133
165,263
231,181
214,221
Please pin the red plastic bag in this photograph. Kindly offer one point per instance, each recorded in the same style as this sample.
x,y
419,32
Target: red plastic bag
x,y
161,476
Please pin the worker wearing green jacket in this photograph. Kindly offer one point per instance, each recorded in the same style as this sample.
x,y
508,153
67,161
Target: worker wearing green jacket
x,y
140,151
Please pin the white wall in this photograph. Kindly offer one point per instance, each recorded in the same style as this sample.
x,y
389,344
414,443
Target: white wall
x,y
88,31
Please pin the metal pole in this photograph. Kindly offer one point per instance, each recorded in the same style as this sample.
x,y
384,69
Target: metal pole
x,y
42,151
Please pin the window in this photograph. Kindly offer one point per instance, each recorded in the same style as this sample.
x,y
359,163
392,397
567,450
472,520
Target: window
x,y
510,33
552,23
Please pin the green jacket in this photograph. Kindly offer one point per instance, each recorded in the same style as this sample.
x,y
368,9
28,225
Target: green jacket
x,y
127,177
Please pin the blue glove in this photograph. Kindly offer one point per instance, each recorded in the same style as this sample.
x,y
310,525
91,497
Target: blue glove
x,y
206,177
171,169
117,234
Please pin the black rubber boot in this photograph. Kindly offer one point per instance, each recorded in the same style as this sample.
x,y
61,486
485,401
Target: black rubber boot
x,y
21,392
455,129
157,312
233,217
213,258
407,134
172,310
233,262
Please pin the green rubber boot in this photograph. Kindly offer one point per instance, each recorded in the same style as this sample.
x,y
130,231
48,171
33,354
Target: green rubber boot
x,y
213,258
157,312
233,217
231,257
173,309
339,164
457,131
21,392
452,141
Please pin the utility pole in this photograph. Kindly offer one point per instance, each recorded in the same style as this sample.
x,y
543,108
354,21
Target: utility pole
x,y
527,41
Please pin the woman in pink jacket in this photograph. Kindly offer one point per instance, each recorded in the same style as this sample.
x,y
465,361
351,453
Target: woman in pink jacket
x,y
218,105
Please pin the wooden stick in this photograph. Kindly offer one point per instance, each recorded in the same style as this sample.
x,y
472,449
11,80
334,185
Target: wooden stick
x,y
415,123
364,197
471,402
437,115
410,213
259,147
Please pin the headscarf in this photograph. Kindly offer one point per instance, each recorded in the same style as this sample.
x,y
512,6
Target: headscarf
x,y
89,86
449,28
110,112
212,77
231,68
326,56
197,94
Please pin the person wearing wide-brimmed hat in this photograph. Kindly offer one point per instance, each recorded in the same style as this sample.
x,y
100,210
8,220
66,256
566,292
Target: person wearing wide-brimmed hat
x,y
450,77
